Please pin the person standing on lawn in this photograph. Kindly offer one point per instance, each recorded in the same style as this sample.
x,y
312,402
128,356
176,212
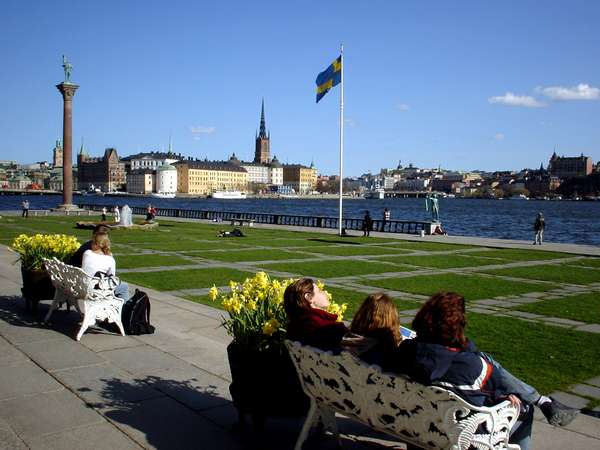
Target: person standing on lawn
x,y
25,207
367,224
104,211
386,218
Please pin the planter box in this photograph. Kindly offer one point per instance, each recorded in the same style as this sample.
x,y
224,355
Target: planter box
x,y
265,384
36,286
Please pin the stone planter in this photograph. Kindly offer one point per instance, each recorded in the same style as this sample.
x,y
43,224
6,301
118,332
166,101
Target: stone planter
x,y
36,286
265,384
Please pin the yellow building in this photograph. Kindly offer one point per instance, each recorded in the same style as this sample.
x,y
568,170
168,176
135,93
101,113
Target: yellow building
x,y
301,178
206,177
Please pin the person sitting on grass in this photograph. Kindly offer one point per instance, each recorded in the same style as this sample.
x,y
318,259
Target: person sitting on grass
x,y
99,259
374,331
442,355
308,321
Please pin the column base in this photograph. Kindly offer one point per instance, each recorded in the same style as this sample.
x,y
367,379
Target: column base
x,y
66,207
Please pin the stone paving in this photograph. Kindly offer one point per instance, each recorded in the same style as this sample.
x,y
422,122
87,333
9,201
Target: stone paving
x,y
170,389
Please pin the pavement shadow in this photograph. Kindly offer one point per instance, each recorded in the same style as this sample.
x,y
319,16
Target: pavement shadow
x,y
169,414
13,312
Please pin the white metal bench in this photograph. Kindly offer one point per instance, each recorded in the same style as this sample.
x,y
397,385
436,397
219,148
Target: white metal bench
x,y
78,289
426,416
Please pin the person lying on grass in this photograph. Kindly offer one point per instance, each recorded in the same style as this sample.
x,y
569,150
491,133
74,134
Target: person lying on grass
x,y
442,355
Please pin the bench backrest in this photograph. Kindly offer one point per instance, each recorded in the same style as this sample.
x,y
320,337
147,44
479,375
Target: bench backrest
x,y
72,281
428,416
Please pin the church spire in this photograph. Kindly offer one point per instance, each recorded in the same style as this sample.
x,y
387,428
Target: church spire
x,y
263,131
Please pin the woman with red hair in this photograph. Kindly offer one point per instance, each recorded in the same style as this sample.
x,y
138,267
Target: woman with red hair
x,y
442,355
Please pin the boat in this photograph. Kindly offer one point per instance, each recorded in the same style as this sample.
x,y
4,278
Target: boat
x,y
518,197
163,194
228,195
377,194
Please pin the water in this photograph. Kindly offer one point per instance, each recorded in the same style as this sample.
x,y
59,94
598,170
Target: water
x,y
566,221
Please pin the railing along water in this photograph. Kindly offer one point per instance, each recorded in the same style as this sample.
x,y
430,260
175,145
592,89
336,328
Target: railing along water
x,y
391,226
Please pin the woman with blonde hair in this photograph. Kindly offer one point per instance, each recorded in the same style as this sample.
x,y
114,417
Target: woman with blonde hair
x,y
375,330
99,259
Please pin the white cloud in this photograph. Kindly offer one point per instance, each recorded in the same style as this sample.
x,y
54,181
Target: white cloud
x,y
403,107
202,129
499,136
349,121
580,92
510,99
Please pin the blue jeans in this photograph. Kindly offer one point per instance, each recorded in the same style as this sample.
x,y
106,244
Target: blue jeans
x,y
521,433
122,291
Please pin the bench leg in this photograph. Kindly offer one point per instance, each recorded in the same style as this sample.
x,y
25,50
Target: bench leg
x,y
56,302
88,319
311,418
120,325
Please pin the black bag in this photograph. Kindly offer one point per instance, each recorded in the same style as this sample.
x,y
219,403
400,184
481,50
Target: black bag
x,y
136,314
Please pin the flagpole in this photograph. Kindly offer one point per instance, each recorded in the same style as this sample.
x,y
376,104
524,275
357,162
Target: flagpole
x,y
341,136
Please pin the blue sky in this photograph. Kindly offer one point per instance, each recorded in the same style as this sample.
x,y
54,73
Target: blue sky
x,y
465,85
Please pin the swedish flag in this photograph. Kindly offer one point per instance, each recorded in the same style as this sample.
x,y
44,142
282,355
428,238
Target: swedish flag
x,y
329,78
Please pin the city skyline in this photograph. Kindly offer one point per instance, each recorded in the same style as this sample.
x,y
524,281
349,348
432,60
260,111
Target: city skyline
x,y
466,86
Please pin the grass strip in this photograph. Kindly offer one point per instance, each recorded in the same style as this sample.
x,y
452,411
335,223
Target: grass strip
x,y
583,307
173,280
472,287
555,273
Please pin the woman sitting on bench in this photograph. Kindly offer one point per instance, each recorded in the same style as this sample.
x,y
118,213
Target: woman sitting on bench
x,y
99,259
308,321
442,355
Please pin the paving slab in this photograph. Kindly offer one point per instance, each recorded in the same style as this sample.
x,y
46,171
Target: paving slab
x,y
590,328
547,437
93,437
524,315
9,439
574,401
103,384
147,360
47,413
164,423
195,388
101,340
61,354
586,390
25,378
9,354
593,381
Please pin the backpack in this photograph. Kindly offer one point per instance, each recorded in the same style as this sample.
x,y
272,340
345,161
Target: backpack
x,y
136,314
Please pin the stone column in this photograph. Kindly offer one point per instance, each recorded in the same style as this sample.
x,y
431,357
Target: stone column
x,y
68,91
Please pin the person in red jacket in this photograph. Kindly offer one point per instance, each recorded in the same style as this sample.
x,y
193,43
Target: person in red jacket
x,y
308,320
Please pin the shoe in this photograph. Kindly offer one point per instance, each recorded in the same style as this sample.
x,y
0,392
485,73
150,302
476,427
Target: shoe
x,y
558,414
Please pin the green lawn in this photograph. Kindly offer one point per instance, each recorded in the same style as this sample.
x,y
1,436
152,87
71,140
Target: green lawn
x,y
555,273
356,250
334,269
547,357
510,254
253,255
440,261
430,246
149,260
583,307
173,280
354,300
586,262
472,287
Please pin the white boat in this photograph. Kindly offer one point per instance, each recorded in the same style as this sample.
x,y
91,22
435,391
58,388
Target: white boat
x,y
228,195
519,197
377,194
163,194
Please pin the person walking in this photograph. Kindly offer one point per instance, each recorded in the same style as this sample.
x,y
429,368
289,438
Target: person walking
x,y
386,217
367,224
25,207
104,214
538,228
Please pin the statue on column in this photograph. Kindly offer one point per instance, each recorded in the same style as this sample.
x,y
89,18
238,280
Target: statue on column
x,y
68,68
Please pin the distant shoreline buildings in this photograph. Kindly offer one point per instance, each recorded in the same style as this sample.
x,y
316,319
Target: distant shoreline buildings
x,y
169,173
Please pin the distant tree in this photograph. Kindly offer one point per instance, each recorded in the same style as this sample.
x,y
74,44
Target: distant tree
x,y
586,186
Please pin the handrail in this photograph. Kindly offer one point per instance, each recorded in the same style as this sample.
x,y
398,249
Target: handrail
x,y
391,226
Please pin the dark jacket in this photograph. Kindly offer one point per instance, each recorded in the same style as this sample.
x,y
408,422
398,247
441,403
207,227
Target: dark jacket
x,y
378,349
466,371
317,328
77,258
